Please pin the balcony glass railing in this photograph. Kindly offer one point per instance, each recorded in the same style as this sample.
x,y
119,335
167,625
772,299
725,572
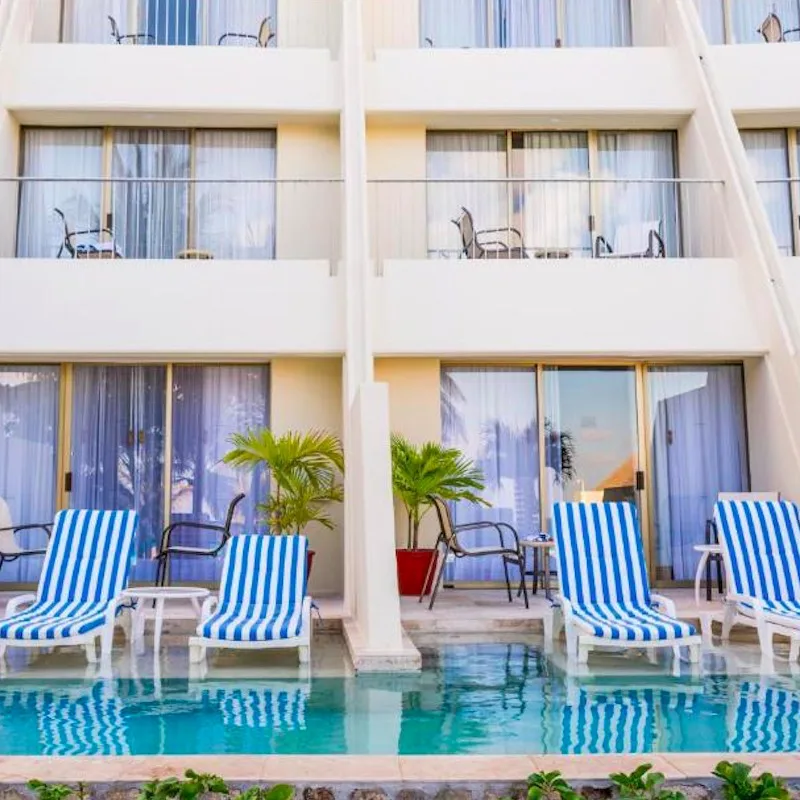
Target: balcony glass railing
x,y
169,218
504,24
552,219
232,23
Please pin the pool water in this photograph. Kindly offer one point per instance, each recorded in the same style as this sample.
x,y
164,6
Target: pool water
x,y
468,699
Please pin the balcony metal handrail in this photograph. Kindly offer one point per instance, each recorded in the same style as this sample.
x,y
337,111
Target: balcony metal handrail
x,y
589,181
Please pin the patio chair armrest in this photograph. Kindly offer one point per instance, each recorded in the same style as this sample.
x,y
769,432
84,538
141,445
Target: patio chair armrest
x,y
665,604
236,36
47,527
493,245
207,609
201,526
15,603
602,247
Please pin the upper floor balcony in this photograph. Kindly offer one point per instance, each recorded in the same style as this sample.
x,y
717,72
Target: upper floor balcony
x,y
501,58
567,266
171,58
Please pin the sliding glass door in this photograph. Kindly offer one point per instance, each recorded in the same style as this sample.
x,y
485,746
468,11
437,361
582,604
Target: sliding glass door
x,y
699,448
490,415
117,448
29,404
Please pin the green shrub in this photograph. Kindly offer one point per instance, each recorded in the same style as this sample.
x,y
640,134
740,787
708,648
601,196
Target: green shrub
x,y
550,786
737,784
641,784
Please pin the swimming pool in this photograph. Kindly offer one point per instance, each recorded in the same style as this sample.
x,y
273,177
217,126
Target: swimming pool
x,y
469,699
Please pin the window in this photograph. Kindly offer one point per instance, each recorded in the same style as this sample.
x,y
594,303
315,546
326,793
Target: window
x,y
553,194
768,154
741,21
525,23
170,193
118,439
169,22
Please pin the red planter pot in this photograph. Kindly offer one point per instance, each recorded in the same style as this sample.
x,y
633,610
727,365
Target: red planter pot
x,y
412,566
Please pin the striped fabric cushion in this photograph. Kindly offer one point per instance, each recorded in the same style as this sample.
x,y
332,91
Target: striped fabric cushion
x,y
85,568
603,575
262,590
761,540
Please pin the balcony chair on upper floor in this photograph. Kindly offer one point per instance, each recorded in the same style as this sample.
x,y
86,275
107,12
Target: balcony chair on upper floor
x,y
474,247
264,37
132,38
633,240
10,548
168,550
448,545
772,29
92,248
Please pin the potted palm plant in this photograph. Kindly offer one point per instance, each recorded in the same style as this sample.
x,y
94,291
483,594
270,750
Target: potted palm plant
x,y
304,470
419,472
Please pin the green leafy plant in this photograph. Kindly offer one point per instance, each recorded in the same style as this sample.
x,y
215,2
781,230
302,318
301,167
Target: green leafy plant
x,y
55,791
550,786
642,784
303,473
738,784
280,791
430,469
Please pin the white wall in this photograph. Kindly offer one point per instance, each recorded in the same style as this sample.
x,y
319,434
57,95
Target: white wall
x,y
577,308
203,309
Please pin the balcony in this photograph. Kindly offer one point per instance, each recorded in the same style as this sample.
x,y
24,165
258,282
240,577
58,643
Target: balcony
x,y
172,267
567,267
128,59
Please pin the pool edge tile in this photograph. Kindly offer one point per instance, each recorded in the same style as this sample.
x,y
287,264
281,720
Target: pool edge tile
x,y
598,767
500,767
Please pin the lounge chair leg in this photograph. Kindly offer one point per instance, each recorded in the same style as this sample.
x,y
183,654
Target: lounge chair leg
x,y
304,654
727,622
794,649
583,653
3,649
91,652
572,644
694,654
676,652
765,638
106,643
197,654
548,623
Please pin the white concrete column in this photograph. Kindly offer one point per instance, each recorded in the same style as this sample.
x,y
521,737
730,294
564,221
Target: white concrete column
x,y
373,631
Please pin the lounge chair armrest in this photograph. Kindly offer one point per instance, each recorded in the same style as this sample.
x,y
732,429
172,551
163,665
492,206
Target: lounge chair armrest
x,y
755,602
209,604
15,603
665,604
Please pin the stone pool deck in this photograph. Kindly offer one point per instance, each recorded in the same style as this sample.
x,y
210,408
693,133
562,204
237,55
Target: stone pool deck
x,y
386,774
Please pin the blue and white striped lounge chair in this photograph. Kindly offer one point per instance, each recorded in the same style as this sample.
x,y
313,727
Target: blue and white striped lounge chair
x,y
605,594
85,569
262,598
761,547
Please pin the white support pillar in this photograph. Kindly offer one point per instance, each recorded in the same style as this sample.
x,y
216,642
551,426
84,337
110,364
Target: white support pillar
x,y
373,629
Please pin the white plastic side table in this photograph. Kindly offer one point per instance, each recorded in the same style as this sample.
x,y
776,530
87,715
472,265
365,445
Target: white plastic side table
x,y
158,595
705,550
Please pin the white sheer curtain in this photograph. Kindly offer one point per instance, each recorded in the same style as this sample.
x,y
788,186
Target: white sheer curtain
x,y
712,16
235,220
469,160
768,154
554,215
151,216
209,403
699,448
637,205
747,17
490,415
117,458
86,21
525,23
29,398
454,23
597,23
58,153
236,16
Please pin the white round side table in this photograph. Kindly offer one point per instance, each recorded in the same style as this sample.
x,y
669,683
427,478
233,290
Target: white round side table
x,y
705,550
158,595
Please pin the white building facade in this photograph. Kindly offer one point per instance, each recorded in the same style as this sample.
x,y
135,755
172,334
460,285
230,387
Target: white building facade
x,y
560,235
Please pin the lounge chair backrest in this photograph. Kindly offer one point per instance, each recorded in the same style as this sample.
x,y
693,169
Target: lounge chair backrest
x,y
761,541
771,28
263,574
89,556
634,237
600,554
771,496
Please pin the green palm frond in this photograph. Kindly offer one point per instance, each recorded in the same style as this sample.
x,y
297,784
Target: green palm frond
x,y
419,472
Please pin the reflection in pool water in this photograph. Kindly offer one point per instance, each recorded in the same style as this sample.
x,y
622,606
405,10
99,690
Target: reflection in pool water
x,y
468,699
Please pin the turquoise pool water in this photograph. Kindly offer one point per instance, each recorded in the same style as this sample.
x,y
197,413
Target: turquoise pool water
x,y
468,699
